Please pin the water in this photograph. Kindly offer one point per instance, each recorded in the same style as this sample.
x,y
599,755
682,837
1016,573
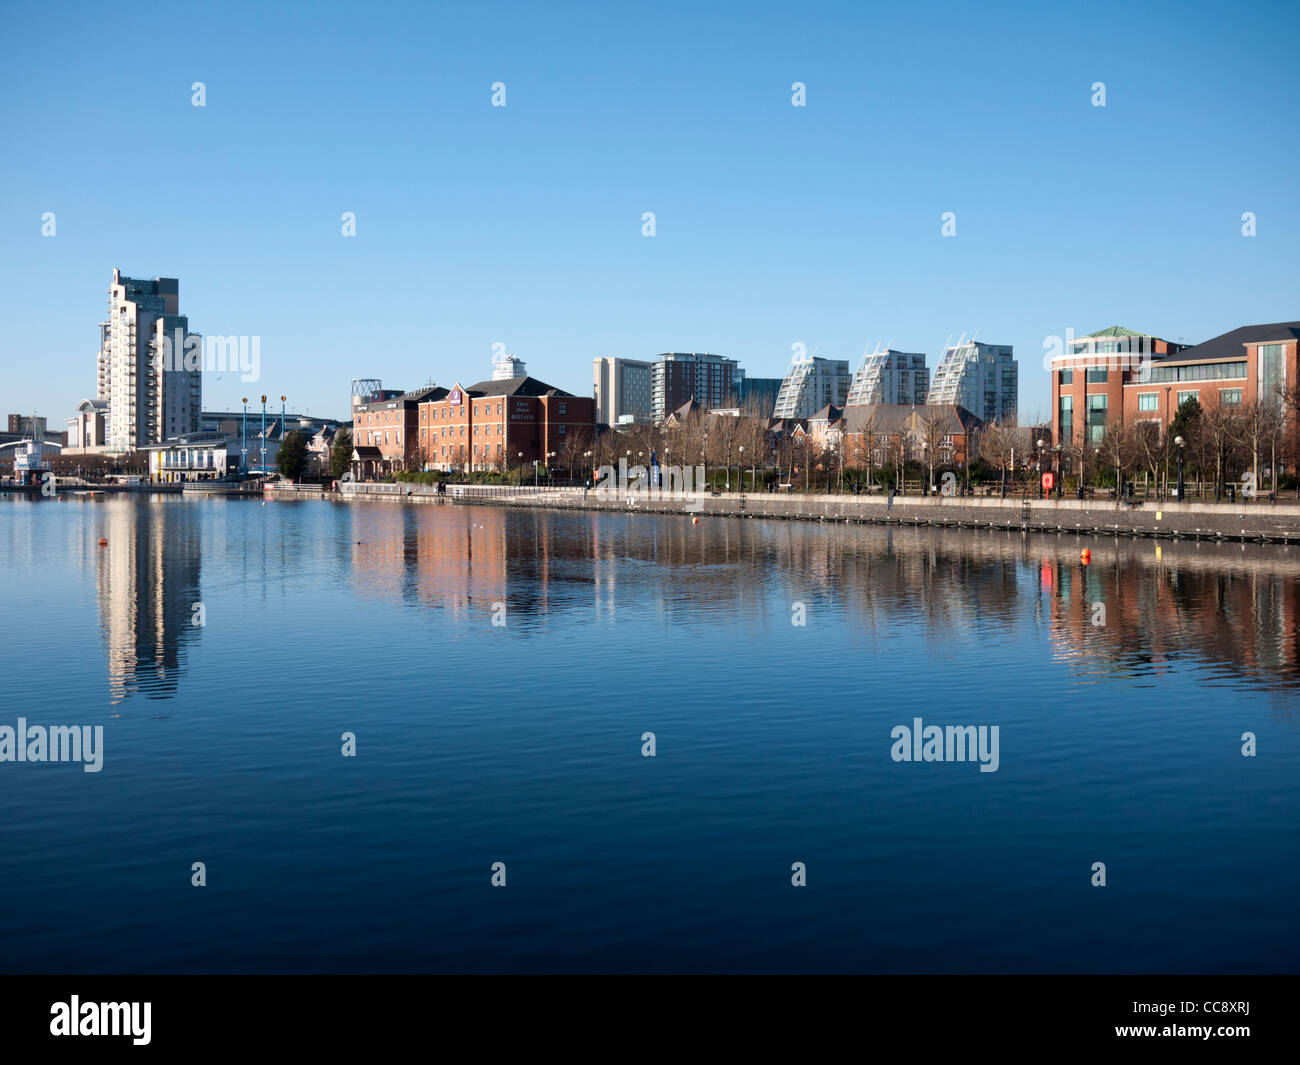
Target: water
x,y
1119,743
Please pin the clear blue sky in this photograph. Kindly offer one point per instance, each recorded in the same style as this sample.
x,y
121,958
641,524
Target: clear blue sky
x,y
775,225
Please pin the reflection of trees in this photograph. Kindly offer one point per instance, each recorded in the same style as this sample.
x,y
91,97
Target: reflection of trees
x,y
1232,604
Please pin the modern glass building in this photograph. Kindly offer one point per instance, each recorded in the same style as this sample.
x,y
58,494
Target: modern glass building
x,y
890,377
983,378
811,384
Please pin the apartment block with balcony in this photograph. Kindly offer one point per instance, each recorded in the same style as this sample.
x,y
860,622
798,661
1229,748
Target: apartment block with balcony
x,y
811,384
981,378
890,377
150,397
678,377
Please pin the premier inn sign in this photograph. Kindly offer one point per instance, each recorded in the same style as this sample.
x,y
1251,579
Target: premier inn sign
x,y
455,396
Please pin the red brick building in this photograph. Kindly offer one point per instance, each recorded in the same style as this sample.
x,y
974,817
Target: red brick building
x,y
501,425
384,432
1117,376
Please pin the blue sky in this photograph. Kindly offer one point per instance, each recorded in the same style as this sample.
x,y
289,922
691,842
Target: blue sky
x,y
775,225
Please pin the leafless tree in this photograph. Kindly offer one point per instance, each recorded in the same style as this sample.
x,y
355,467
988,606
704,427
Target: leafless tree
x,y
997,447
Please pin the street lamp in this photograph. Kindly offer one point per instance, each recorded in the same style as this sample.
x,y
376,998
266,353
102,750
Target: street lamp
x,y
243,449
925,462
1042,446
1056,469
740,468
1178,440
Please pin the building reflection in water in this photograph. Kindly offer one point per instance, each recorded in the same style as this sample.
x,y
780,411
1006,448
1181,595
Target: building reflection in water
x,y
147,586
1230,605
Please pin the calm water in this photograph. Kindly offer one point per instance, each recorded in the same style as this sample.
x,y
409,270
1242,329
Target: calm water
x,y
521,743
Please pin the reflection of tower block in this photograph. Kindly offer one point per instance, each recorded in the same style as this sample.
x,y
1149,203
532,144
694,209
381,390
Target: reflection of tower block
x,y
363,388
505,367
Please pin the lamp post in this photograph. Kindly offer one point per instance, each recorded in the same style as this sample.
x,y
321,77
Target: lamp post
x,y
550,461
1056,469
264,434
1178,441
1042,446
521,467
925,464
243,449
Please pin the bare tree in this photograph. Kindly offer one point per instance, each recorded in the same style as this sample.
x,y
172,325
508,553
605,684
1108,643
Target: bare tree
x,y
1258,428
1150,447
997,447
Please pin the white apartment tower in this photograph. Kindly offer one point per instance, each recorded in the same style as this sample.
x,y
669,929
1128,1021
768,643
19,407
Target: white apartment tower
x,y
894,377
145,347
981,377
812,383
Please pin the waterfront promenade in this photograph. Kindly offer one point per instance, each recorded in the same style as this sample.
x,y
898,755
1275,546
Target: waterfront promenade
x,y
1257,521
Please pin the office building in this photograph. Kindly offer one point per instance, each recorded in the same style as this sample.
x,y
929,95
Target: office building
x,y
1117,376
1089,379
622,391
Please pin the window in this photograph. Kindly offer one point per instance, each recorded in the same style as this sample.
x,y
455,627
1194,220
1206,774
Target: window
x,y
563,427
564,408
1230,397
1067,377
1183,397
1200,371
1272,373
1096,419
1148,401
1096,376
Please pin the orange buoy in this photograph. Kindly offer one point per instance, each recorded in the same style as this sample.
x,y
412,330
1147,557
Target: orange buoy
x,y
1085,556
695,521
103,542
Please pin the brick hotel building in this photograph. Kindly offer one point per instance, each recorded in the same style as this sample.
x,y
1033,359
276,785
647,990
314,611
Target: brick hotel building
x,y
500,425
384,436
